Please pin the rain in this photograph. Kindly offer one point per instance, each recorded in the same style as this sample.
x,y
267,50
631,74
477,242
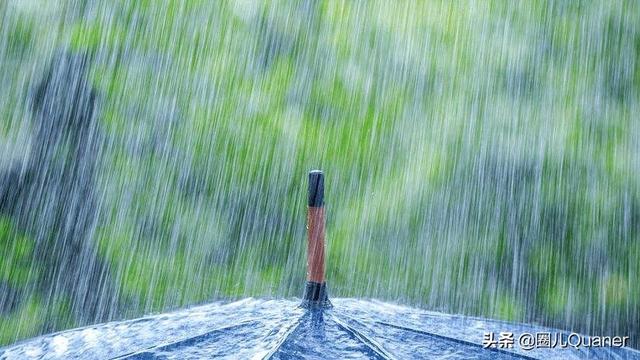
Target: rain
x,y
480,159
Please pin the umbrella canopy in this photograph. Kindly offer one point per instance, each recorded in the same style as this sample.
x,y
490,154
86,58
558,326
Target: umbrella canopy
x,y
281,329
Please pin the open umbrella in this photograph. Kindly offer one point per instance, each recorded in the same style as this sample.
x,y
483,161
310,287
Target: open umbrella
x,y
317,328
280,329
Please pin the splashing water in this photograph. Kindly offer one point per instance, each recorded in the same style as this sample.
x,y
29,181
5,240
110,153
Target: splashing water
x,y
279,329
481,157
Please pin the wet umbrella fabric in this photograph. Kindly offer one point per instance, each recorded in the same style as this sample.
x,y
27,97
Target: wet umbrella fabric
x,y
280,329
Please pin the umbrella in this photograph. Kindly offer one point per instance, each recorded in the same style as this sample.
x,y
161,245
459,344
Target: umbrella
x,y
281,329
316,328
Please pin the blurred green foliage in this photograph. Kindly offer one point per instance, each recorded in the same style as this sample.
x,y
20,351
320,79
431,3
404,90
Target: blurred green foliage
x,y
481,157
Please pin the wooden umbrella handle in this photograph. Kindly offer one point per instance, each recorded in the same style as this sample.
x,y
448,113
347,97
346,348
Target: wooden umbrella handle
x,y
315,228
315,291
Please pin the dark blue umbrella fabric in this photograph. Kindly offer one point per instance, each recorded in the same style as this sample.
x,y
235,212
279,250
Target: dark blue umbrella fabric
x,y
281,329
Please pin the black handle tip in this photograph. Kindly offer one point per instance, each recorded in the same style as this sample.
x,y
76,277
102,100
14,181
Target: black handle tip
x,y
316,296
316,188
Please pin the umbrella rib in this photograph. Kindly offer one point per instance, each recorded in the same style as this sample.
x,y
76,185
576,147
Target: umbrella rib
x,y
369,343
183,341
459,341
282,339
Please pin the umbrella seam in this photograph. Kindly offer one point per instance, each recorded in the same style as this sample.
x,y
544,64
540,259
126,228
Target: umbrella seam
x,y
292,327
459,341
376,348
181,341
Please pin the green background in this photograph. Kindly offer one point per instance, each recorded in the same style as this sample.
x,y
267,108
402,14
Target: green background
x,y
480,157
